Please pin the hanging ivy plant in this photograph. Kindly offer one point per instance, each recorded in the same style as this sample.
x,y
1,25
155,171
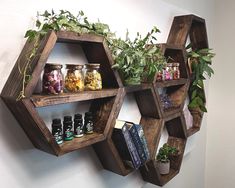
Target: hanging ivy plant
x,y
132,58
200,62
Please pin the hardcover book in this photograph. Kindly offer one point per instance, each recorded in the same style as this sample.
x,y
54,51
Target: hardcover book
x,y
139,140
124,144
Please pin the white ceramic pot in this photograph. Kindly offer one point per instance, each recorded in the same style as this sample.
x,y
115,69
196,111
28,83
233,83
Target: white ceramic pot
x,y
164,168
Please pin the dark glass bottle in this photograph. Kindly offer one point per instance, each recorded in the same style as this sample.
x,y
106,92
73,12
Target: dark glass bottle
x,y
57,131
88,123
78,125
68,126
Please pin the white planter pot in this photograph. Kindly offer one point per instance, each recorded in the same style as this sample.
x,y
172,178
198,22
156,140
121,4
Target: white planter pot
x,y
164,168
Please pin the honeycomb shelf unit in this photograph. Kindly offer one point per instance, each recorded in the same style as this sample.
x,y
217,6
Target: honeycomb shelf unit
x,y
103,102
106,103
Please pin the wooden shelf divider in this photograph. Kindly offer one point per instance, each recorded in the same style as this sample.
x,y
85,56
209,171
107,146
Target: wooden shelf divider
x,y
46,100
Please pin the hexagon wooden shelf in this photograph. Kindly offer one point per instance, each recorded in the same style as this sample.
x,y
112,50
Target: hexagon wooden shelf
x,y
176,129
175,89
103,102
106,103
148,107
193,27
188,25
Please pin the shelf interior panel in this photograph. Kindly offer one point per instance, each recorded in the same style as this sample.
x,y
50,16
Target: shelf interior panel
x,y
47,100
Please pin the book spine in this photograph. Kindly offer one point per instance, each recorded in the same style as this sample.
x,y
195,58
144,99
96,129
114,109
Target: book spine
x,y
143,141
138,144
131,147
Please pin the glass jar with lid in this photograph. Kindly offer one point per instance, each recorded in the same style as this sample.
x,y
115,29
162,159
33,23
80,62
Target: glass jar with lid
x,y
169,72
53,81
74,80
92,80
176,71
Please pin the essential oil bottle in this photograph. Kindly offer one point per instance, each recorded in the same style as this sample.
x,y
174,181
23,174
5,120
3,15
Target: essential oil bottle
x,y
68,126
89,125
78,125
57,131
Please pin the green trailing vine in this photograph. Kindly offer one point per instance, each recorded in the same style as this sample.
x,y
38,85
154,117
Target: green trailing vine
x,y
133,60
200,61
26,71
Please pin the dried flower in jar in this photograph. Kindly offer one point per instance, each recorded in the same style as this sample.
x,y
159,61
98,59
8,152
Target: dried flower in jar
x,y
176,71
74,80
52,79
92,80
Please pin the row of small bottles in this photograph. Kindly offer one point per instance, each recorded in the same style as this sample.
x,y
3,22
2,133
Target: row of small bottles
x,y
72,128
170,72
75,79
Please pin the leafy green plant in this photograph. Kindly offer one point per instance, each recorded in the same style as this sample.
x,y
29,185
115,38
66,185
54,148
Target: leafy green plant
x,y
138,60
200,61
66,21
164,153
133,59
63,21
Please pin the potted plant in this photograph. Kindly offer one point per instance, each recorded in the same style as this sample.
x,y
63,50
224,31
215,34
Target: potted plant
x,y
137,60
200,66
163,158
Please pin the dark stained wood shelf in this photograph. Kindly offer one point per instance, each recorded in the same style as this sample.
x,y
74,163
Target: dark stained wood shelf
x,y
166,178
106,103
168,83
134,88
46,100
191,131
171,111
77,143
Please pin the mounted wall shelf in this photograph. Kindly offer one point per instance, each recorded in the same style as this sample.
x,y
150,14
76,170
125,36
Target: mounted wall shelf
x,y
193,27
106,103
103,102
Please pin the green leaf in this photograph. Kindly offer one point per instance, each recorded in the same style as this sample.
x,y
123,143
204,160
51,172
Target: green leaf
x,y
46,14
203,108
193,103
38,23
31,34
194,94
188,46
206,58
194,54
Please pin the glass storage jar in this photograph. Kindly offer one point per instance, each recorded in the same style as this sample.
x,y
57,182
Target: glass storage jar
x,y
169,72
74,80
176,71
52,79
92,78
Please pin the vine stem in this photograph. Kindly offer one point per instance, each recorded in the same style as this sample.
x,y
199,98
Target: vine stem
x,y
29,56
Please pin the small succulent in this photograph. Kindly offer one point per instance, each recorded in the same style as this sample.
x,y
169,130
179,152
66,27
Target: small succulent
x,y
164,152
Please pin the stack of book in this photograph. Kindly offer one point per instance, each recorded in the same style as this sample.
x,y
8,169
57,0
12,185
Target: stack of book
x,y
131,144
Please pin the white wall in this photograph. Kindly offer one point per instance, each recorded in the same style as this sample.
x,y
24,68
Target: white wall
x,y
23,166
220,149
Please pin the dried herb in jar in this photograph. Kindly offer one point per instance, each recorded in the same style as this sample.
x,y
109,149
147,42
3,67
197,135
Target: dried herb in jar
x,y
93,80
74,80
